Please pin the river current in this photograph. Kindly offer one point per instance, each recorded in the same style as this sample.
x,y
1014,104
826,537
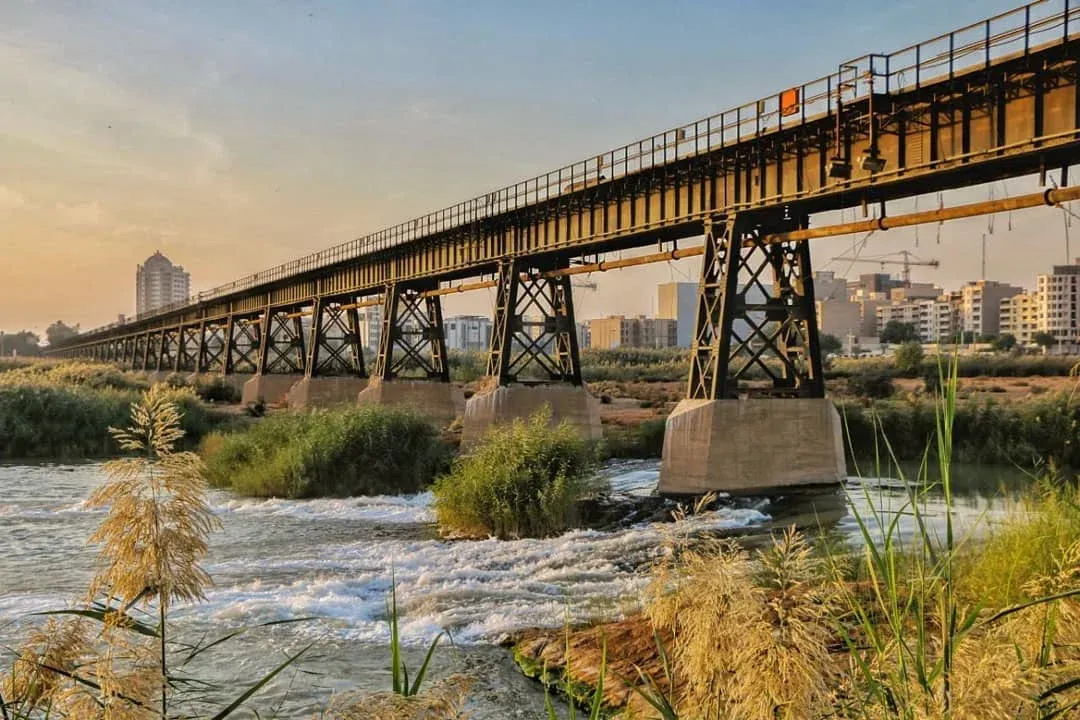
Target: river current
x,y
332,560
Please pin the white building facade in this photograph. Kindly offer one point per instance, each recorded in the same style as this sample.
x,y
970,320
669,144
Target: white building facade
x,y
158,283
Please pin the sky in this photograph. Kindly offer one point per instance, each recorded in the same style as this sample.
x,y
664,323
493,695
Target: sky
x,y
233,136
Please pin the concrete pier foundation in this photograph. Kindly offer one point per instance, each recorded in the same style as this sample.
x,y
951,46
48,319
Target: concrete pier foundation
x,y
325,391
751,445
269,389
442,402
503,404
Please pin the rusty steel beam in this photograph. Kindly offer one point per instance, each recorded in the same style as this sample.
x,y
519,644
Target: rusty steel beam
x,y
1052,197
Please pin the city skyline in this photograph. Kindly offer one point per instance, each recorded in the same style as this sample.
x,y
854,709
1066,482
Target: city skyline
x,y
110,163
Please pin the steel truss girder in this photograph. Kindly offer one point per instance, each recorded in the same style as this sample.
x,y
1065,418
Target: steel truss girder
x,y
755,305
242,337
169,349
187,357
282,344
412,342
534,331
213,344
334,346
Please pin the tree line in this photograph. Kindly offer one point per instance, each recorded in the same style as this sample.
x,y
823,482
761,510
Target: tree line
x,y
27,343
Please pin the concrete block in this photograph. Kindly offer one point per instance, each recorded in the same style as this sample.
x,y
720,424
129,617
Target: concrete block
x,y
237,380
441,402
325,391
504,404
269,389
751,445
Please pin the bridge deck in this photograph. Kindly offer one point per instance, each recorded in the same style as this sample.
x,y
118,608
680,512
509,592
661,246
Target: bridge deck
x,y
993,100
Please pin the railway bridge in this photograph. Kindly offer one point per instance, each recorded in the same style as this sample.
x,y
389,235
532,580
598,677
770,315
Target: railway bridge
x,y
992,100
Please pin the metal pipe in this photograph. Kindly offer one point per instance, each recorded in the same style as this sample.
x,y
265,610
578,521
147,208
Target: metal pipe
x,y
1050,197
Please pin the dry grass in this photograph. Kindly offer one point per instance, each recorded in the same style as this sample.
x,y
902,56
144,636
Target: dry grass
x,y
751,632
442,700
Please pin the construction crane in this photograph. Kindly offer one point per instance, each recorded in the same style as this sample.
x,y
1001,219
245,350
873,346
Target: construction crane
x,y
909,260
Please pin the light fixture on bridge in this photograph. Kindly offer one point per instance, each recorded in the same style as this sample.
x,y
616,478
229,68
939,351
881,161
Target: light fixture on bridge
x,y
871,161
838,168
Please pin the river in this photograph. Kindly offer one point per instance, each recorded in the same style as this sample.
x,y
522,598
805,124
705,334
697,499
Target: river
x,y
331,560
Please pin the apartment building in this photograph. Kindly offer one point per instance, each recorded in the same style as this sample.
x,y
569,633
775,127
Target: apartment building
x,y
936,320
621,331
1020,317
1058,299
467,332
980,306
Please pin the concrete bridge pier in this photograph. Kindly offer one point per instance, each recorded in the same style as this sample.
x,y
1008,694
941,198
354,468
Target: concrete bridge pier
x,y
755,417
411,369
334,367
751,445
534,359
268,388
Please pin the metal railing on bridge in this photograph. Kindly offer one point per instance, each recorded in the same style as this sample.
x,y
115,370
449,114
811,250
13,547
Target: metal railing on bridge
x,y
944,57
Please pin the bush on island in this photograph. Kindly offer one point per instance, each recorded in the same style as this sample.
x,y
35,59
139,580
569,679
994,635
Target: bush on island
x,y
367,450
524,479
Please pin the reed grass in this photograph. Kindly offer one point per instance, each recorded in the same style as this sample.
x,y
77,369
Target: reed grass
x,y
114,656
936,625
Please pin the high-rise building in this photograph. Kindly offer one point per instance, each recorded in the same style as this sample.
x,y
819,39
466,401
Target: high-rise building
x,y
980,306
467,332
158,282
1058,298
678,301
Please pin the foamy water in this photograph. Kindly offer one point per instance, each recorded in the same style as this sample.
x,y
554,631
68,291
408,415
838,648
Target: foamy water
x,y
334,560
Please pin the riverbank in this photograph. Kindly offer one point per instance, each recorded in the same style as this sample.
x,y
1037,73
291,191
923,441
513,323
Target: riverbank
x,y
842,633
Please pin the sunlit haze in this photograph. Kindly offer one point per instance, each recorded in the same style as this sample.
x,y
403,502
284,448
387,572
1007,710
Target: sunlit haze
x,y
234,136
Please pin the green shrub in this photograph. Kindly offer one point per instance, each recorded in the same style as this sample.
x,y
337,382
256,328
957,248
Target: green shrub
x,y
50,420
467,365
908,358
1025,434
967,366
871,384
524,479
350,451
644,440
217,390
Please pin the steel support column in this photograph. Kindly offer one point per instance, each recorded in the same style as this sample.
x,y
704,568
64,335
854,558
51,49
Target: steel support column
x,y
187,359
244,345
756,316
534,337
212,349
283,344
412,342
334,345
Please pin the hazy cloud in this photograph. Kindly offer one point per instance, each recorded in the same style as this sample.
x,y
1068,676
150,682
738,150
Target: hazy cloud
x,y
10,199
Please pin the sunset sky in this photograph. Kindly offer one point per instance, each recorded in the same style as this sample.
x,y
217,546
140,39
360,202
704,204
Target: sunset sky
x,y
236,135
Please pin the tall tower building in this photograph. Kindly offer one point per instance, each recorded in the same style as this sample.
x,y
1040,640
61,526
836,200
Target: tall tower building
x,y
158,282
